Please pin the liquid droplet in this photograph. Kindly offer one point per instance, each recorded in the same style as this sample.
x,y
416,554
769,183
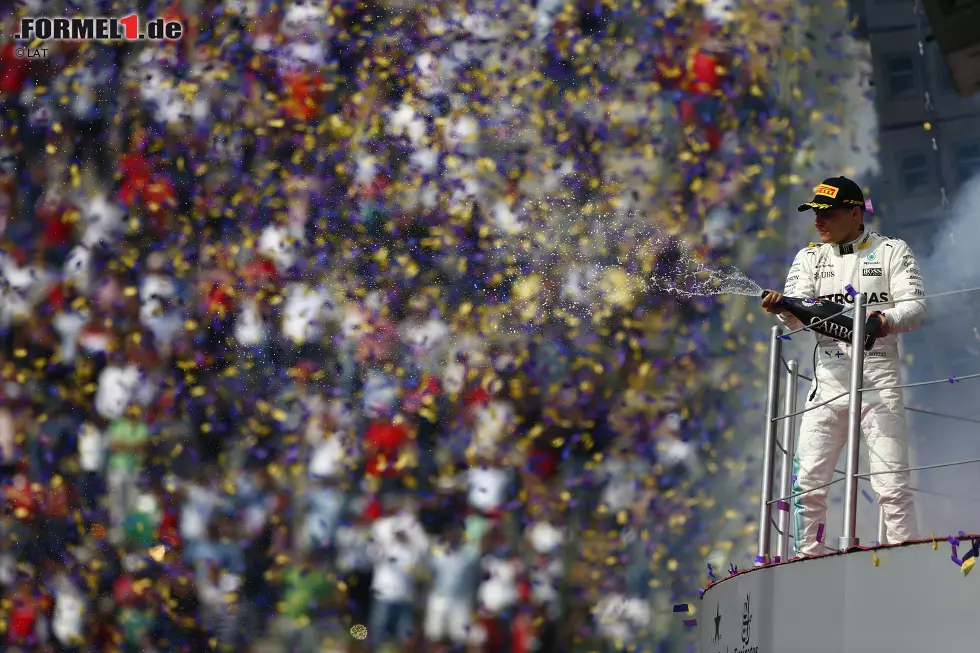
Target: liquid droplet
x,y
689,277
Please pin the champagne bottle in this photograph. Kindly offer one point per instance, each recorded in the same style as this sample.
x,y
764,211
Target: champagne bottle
x,y
818,312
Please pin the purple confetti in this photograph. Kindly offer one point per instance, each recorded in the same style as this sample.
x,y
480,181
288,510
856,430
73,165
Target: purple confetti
x,y
690,623
867,496
682,607
820,533
782,505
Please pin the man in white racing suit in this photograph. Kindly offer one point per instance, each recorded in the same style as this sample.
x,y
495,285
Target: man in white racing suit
x,y
885,269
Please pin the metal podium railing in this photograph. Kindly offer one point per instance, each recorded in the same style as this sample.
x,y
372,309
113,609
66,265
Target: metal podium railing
x,y
785,527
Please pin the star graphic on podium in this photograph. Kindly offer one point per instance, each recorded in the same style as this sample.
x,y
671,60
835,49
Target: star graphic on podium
x,y
717,624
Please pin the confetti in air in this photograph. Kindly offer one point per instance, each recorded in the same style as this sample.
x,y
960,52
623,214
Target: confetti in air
x,y
451,246
359,632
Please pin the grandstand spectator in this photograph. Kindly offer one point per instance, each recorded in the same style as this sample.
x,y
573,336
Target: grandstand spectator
x,y
398,546
454,564
69,617
307,596
128,441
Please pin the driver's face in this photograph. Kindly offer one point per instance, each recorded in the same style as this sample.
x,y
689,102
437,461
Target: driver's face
x,y
836,225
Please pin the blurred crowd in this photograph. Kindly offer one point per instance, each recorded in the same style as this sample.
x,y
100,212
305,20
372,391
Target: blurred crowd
x,y
327,328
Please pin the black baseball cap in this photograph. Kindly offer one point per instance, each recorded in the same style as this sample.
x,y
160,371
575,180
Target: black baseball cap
x,y
835,193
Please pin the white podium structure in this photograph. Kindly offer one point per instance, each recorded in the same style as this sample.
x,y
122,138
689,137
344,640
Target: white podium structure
x,y
913,596
914,599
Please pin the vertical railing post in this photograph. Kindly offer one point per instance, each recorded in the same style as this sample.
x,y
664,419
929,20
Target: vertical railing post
x,y
849,539
882,531
786,535
772,412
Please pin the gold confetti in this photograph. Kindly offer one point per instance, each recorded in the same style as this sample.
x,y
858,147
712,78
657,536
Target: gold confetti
x,y
967,566
359,632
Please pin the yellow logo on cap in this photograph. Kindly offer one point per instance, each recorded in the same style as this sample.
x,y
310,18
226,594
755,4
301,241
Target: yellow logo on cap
x,y
828,191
